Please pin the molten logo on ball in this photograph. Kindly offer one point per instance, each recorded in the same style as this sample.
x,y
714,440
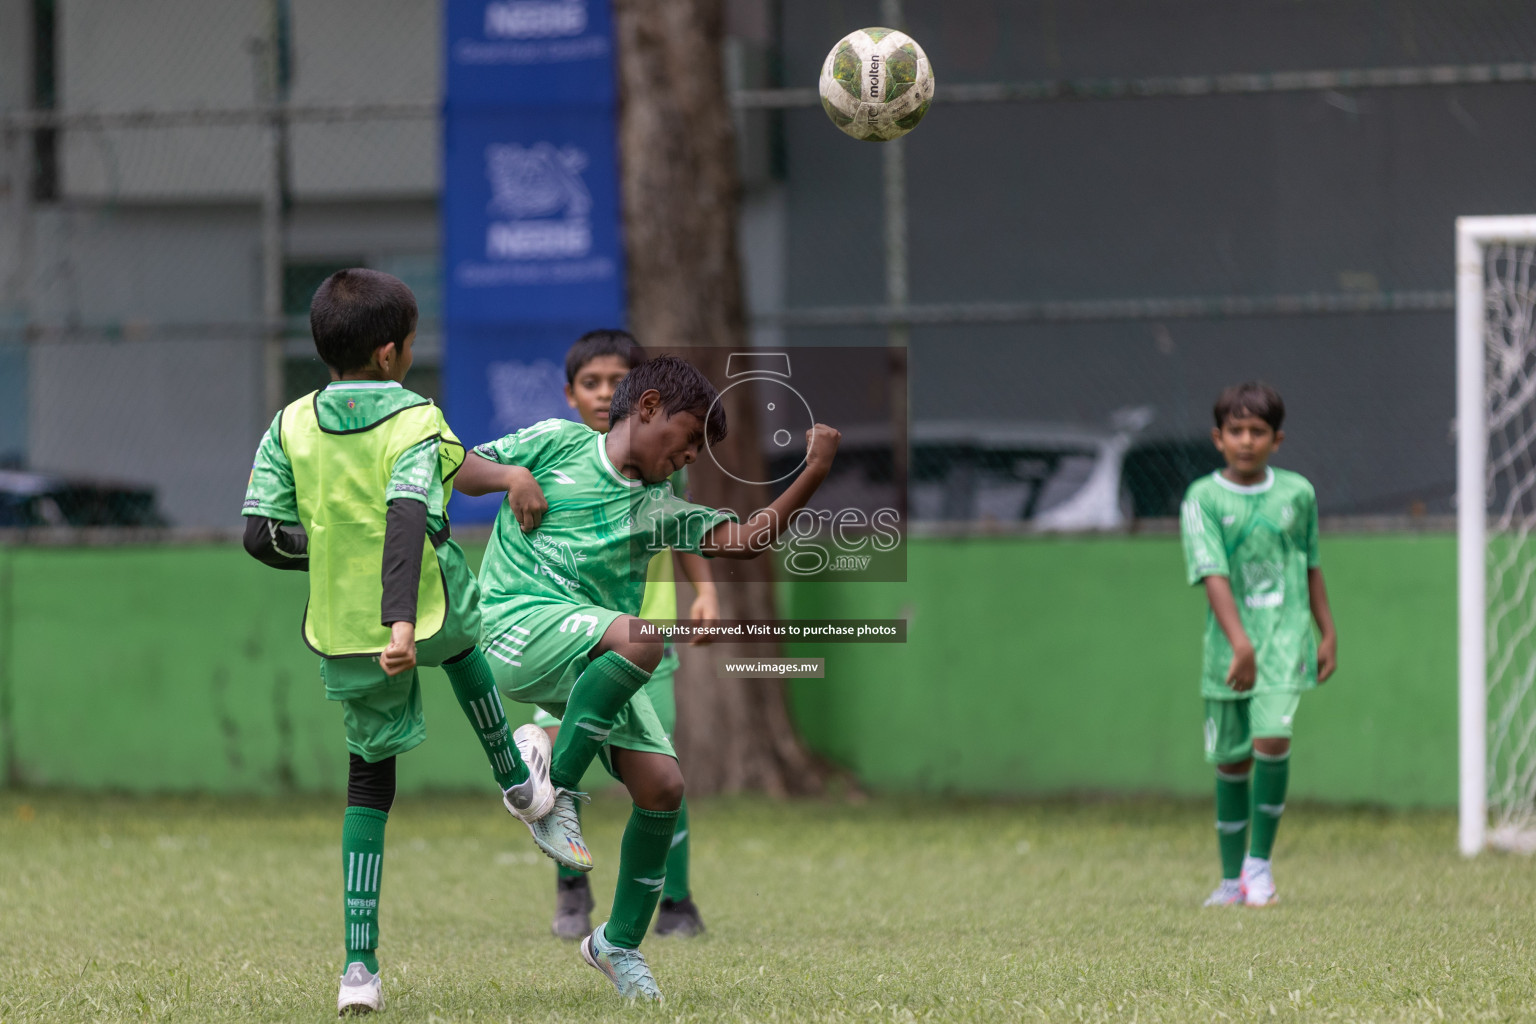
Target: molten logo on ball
x,y
876,84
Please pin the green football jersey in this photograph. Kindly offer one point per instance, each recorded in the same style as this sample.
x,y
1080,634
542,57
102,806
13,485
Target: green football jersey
x,y
594,544
1263,538
348,405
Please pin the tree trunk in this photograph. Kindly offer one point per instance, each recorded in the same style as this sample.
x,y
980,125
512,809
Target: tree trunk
x,y
679,184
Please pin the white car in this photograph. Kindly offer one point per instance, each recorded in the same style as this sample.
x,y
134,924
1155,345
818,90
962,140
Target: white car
x,y
1045,477
1053,477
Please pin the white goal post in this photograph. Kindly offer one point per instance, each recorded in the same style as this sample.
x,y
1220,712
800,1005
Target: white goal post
x,y
1496,528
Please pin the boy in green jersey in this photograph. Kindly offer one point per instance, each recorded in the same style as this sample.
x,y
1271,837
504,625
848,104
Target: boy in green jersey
x,y
594,366
348,485
563,579
1250,536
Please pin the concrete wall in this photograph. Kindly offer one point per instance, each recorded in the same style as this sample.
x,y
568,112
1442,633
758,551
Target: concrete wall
x,y
366,51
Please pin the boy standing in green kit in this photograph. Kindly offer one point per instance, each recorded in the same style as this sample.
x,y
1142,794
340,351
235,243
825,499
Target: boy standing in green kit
x,y
563,579
348,485
594,365
1250,536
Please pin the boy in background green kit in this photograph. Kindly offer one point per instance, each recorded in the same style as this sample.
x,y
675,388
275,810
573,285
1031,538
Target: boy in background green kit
x,y
1250,537
594,365
348,485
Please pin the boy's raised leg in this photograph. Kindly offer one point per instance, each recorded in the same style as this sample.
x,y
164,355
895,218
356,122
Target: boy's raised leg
x,y
597,696
525,786
605,687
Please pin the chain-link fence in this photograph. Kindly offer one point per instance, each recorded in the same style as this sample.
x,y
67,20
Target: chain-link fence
x,y
1114,210
180,177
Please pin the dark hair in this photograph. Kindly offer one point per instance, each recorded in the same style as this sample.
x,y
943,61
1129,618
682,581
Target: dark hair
x,y
682,388
356,311
606,342
1251,398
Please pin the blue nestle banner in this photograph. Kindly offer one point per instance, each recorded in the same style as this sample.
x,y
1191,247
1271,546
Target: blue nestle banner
x,y
501,379
529,52
531,217
532,249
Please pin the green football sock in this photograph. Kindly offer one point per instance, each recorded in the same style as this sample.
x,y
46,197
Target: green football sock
x,y
561,871
677,859
362,861
605,687
1231,821
1270,777
475,687
642,873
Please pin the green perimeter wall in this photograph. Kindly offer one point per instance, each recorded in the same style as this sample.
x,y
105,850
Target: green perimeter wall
x,y
1034,666
1055,666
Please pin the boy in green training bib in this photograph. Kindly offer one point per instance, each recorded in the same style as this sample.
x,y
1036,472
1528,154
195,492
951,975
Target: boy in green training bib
x,y
1250,537
594,366
348,485
563,579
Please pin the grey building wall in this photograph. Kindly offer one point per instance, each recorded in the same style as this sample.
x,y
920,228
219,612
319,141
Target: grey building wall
x,y
1316,192
145,273
15,95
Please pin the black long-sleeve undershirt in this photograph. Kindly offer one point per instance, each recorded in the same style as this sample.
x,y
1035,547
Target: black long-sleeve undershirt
x,y
405,527
276,543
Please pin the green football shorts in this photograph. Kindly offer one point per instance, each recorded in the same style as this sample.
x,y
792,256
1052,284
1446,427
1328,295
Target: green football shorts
x,y
537,654
383,713
1231,726
659,689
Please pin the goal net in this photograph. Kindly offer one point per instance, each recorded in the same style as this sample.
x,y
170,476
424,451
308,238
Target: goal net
x,y
1496,512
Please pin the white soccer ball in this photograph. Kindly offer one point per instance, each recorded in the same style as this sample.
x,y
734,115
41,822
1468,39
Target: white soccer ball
x,y
876,84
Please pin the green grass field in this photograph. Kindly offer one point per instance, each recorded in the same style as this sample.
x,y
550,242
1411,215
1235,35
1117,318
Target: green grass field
x,y
208,910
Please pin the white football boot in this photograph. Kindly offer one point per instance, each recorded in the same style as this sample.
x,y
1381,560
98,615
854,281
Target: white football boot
x,y
1228,894
533,798
361,991
1258,883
